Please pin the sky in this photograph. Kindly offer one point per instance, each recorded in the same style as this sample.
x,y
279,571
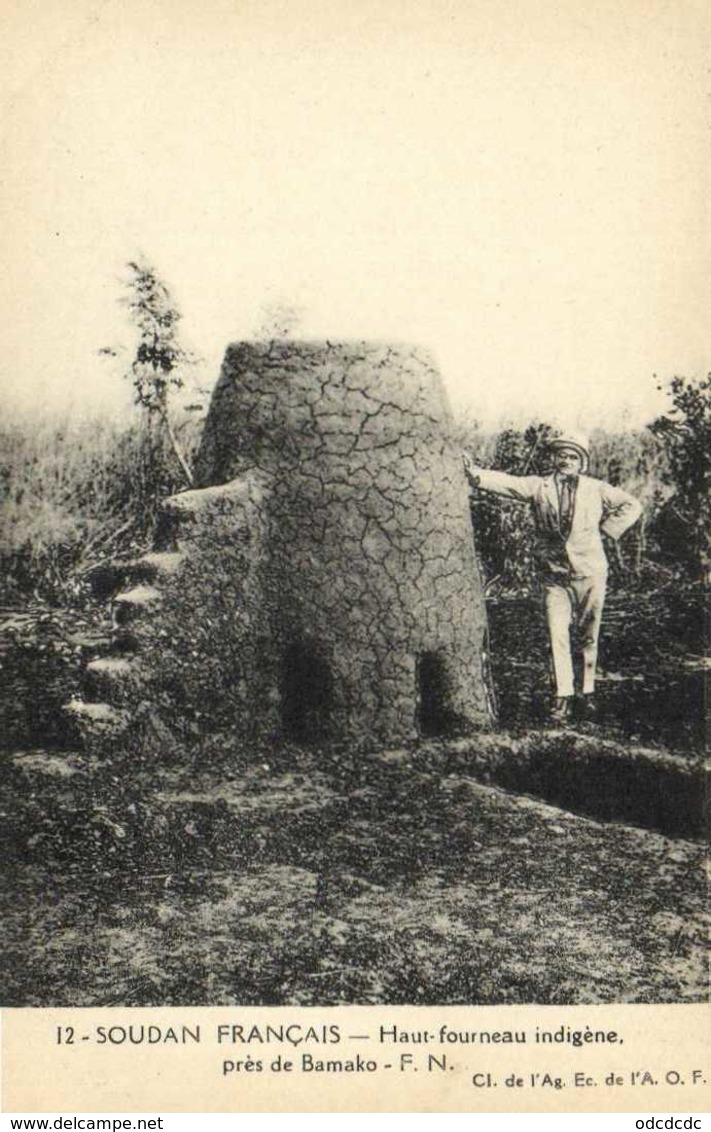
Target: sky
x,y
521,187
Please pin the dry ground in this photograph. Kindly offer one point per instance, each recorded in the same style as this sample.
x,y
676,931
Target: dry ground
x,y
393,878
405,877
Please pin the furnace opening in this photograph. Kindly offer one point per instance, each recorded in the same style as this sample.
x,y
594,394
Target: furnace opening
x,y
433,715
306,693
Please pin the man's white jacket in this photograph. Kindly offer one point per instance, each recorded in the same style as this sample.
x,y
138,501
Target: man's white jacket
x,y
599,509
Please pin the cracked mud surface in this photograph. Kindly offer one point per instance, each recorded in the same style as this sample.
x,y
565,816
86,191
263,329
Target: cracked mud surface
x,y
331,585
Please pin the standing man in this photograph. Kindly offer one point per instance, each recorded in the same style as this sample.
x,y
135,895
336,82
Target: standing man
x,y
571,511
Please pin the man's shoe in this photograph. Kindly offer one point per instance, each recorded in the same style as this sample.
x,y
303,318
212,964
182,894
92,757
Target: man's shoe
x,y
562,710
588,708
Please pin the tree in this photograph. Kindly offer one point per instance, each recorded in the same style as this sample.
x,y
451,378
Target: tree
x,y
684,432
160,360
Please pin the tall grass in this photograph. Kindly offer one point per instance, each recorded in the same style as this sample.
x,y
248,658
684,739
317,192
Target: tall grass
x,y
77,493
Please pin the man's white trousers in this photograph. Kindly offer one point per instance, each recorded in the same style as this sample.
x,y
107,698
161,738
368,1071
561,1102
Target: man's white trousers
x,y
577,604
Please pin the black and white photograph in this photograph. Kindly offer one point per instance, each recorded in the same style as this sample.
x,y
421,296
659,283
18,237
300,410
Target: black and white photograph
x,y
355,529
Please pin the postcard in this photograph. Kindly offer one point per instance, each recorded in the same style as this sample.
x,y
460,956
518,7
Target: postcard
x,y
355,548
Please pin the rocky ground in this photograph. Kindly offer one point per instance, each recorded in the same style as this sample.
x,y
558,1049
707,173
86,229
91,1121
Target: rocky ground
x,y
394,878
440,874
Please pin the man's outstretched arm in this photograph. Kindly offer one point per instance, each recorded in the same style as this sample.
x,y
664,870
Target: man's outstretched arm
x,y
521,488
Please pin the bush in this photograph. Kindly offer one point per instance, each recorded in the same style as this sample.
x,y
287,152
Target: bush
x,y
684,435
75,495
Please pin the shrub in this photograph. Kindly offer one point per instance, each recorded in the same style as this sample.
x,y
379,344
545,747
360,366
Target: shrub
x,y
684,435
75,495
